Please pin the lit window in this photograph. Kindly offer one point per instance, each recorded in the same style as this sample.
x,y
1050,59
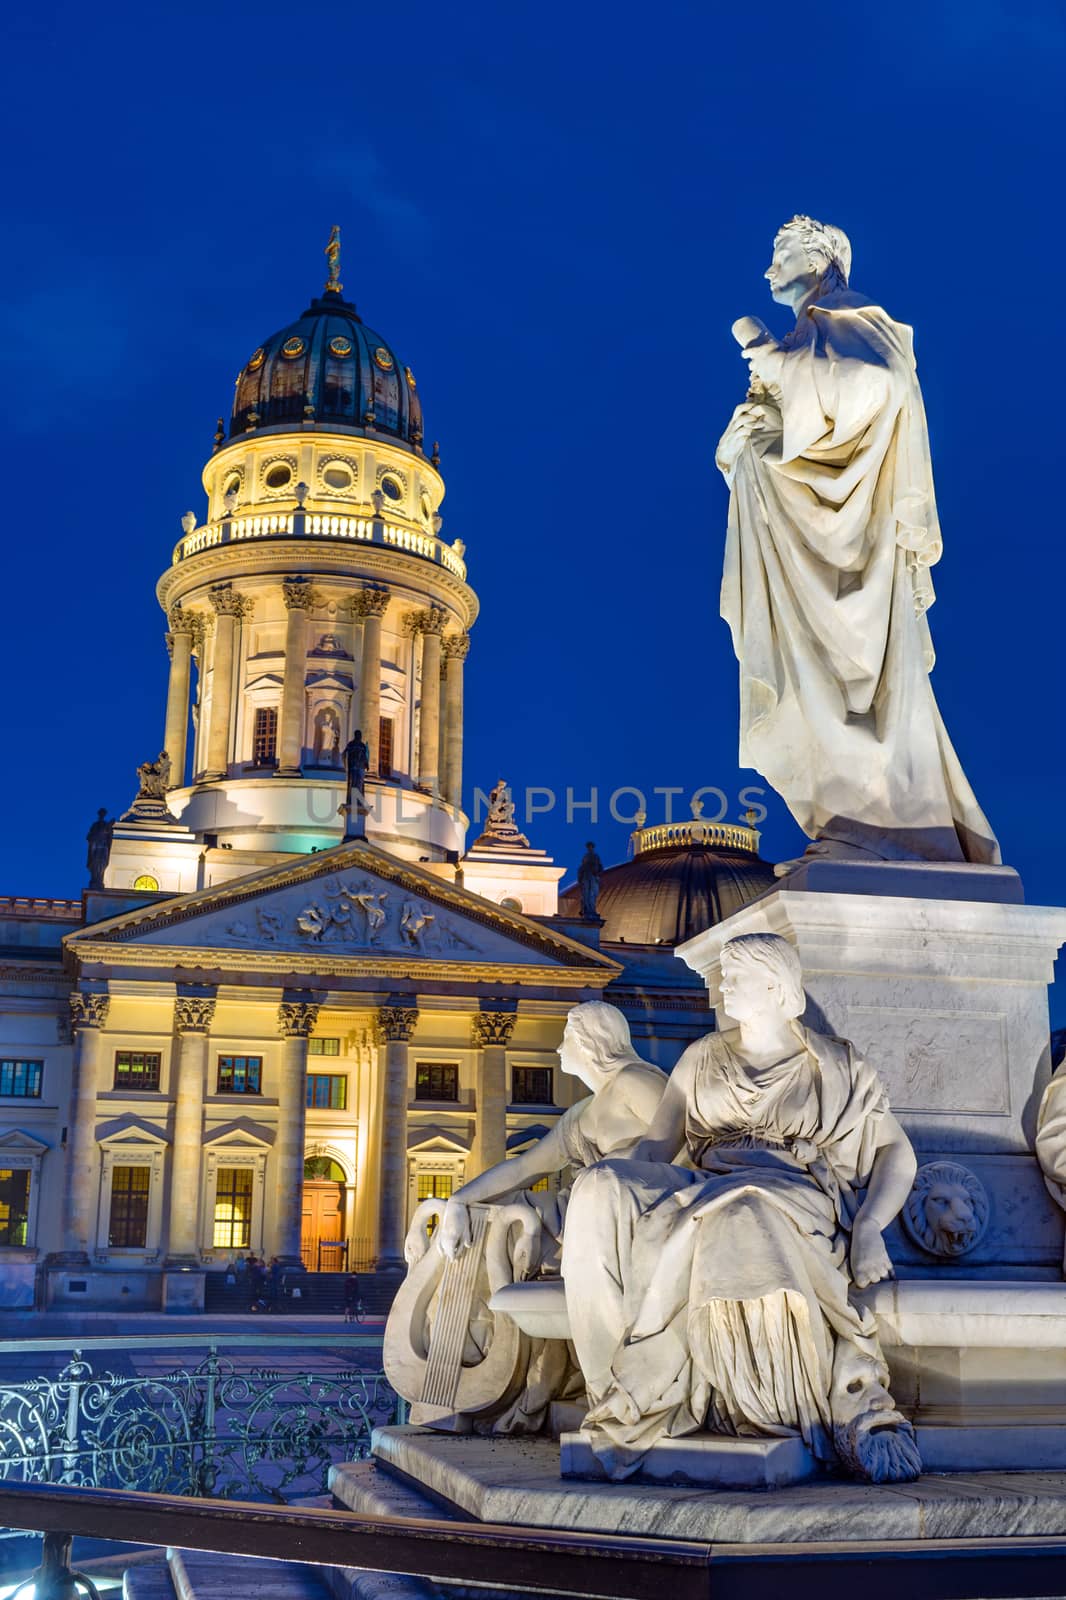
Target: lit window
x,y
146,881
327,1091
240,1074
323,1169
323,1047
532,1086
540,1187
435,1185
128,1229
385,746
265,736
233,1209
436,1082
21,1079
137,1069
14,1204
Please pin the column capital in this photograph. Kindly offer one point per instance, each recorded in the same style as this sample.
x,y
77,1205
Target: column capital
x,y
168,640
395,1024
368,603
181,621
431,620
193,1014
297,1018
455,646
226,602
492,1027
89,1010
299,594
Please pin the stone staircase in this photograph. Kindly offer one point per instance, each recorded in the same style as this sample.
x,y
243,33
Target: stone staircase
x,y
321,1294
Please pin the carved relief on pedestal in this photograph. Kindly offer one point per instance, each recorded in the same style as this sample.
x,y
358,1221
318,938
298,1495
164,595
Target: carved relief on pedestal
x,y
947,1210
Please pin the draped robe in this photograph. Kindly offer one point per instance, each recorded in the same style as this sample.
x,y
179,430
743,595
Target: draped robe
x,y
718,1297
832,531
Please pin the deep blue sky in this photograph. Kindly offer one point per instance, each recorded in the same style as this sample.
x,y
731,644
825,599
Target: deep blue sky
x,y
554,212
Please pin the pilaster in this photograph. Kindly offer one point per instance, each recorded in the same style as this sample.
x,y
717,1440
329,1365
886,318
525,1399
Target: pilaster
x,y
296,1023
394,1029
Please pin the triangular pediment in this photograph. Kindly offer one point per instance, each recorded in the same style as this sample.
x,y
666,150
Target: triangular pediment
x,y
241,1131
437,1141
353,901
15,1142
132,1131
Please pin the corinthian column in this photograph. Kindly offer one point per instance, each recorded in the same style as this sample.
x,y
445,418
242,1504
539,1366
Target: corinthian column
x,y
179,641
394,1027
299,598
431,626
228,605
88,1013
456,646
370,605
296,1022
192,1021
491,1034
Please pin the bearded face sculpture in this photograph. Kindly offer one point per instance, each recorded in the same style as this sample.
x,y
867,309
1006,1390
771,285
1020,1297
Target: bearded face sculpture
x,y
947,1209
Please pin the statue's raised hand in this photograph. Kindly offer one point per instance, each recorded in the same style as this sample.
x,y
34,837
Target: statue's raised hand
x,y
453,1235
869,1258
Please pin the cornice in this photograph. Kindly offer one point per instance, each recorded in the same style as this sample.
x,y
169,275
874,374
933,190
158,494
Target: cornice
x,y
321,559
317,964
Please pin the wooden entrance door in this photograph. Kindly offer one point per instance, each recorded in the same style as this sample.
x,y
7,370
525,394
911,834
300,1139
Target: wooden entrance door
x,y
323,1224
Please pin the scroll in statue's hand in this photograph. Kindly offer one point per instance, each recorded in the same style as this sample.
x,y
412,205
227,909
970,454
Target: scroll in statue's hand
x,y
453,1235
869,1258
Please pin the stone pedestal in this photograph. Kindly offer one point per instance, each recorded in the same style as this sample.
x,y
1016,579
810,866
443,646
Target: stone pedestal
x,y
714,1463
946,997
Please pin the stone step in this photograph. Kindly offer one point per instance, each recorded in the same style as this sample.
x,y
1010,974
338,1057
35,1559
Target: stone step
x,y
201,1575
149,1580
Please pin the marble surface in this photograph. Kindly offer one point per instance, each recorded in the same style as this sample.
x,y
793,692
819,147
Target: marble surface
x,y
517,1481
947,998
708,1459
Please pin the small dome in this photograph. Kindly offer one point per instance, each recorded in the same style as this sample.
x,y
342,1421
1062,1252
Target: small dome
x,y
330,369
684,877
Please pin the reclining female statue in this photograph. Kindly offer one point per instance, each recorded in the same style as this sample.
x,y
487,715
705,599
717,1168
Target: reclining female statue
x,y
719,1298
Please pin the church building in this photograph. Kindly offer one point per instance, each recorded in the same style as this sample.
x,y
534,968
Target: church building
x,y
292,1004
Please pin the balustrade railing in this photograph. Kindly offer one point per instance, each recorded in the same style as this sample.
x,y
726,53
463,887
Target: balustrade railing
x,y
219,1426
320,525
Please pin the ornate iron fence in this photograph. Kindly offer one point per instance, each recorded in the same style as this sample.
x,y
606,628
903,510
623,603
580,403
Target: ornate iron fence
x,y
214,1429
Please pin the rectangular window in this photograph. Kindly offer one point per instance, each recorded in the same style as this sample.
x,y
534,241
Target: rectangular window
x,y
435,1185
21,1079
532,1086
128,1228
434,1082
240,1075
14,1204
323,1047
233,1209
137,1069
265,736
327,1091
385,747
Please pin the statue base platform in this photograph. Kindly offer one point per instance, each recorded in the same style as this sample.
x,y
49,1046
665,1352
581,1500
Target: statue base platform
x,y
712,1462
416,1473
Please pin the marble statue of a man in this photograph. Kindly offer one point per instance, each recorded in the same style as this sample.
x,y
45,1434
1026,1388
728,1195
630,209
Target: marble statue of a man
x,y
832,531
717,1295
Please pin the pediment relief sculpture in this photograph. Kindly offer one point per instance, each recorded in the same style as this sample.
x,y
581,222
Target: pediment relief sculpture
x,y
358,914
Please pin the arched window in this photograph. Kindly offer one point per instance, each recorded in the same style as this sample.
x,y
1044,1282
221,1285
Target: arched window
x,y
146,881
322,1169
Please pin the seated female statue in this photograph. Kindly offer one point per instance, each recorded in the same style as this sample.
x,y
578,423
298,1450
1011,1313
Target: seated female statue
x,y
719,1298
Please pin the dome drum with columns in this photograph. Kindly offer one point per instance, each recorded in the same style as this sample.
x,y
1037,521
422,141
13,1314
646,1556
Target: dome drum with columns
x,y
316,600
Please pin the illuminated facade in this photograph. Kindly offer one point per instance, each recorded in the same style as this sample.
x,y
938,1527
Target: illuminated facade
x,y
259,1034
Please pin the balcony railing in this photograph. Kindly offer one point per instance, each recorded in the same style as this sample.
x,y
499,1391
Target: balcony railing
x,y
320,525
721,835
224,1425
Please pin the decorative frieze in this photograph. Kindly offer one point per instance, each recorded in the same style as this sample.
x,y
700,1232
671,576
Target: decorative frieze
x,y
193,1014
395,1024
297,1018
89,1010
